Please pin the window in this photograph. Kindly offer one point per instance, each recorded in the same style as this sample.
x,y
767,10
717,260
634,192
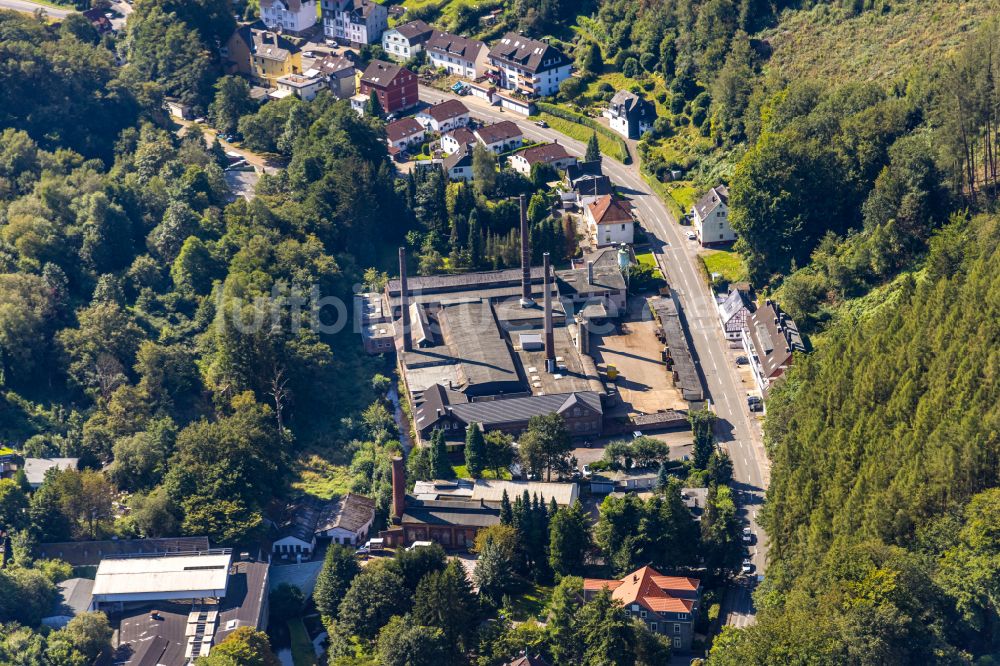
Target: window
x,y
677,628
627,614
652,627
677,642
682,616
642,614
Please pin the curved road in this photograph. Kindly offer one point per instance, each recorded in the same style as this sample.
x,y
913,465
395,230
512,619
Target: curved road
x,y
735,431
28,7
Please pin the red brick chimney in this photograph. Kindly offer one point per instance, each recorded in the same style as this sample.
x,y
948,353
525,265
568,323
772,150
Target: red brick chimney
x,y
398,489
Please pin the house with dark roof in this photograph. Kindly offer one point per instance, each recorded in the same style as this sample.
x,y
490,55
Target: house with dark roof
x,y
456,140
101,23
393,85
587,180
459,56
667,605
296,531
770,339
630,115
346,520
610,221
527,66
406,40
294,16
528,660
500,137
458,165
710,217
272,57
339,73
553,154
403,134
444,116
733,312
354,22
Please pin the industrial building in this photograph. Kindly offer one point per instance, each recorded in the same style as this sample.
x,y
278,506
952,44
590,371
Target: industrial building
x,y
171,609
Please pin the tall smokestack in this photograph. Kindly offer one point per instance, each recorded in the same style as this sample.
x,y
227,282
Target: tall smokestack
x,y
590,272
525,257
404,301
550,348
398,488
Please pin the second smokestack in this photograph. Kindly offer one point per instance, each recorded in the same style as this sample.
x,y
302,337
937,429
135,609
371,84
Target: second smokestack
x,y
404,302
550,349
525,256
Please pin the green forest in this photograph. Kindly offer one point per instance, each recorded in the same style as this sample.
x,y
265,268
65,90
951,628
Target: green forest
x,y
860,143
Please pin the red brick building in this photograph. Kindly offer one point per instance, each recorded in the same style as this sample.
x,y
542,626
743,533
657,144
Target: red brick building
x,y
395,86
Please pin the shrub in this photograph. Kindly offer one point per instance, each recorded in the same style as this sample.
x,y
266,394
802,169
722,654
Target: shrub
x,y
676,103
630,68
648,61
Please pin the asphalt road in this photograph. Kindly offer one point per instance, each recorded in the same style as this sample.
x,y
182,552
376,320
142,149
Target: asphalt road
x,y
735,431
29,8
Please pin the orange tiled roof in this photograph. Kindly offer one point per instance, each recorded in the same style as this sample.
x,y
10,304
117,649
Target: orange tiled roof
x,y
649,588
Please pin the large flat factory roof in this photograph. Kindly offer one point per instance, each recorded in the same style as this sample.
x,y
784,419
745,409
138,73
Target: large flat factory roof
x,y
686,374
473,344
575,372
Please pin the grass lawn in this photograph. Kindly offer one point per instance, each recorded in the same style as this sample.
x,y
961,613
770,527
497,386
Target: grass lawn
x,y
320,477
462,472
683,193
582,133
302,648
647,259
532,603
728,264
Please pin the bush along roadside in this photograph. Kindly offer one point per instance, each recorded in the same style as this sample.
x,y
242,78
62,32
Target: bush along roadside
x,y
559,112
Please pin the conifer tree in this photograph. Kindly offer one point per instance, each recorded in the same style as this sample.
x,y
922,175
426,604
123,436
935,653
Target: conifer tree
x,y
593,149
506,512
474,450
440,465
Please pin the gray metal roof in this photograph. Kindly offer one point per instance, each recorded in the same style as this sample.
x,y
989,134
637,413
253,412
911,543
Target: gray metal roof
x,y
512,410
472,513
732,305
531,55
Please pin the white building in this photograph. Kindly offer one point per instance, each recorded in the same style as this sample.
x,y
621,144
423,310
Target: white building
x,y
288,15
528,66
136,579
304,87
457,55
553,154
710,217
444,117
405,41
733,314
500,137
35,468
630,115
457,140
404,133
609,221
770,338
355,22
458,165
347,520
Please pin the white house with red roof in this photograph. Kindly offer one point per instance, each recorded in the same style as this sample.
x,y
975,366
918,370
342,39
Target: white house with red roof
x,y
668,605
444,116
610,221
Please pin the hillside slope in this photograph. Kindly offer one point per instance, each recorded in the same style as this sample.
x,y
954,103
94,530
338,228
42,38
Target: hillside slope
x,y
879,441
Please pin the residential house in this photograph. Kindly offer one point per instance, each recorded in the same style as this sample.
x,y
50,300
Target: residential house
x,y
35,469
177,109
101,23
630,115
710,217
457,55
355,22
302,86
587,179
667,605
770,339
296,537
553,154
340,75
528,660
237,53
10,462
457,140
444,116
404,134
272,57
500,137
458,165
347,520
407,40
393,85
609,221
294,16
733,313
620,481
528,66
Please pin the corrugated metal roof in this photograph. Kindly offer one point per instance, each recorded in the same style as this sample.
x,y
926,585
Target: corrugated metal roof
x,y
158,575
491,490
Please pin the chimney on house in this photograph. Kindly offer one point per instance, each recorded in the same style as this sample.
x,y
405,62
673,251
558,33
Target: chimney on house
x,y
550,350
398,489
404,302
526,301
590,272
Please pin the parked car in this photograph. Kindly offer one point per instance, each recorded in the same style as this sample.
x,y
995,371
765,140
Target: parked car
x,y
586,472
747,566
692,235
742,360
419,544
541,123
636,434
755,404
747,535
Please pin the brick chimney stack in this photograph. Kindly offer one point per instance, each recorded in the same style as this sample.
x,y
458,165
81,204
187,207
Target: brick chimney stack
x,y
404,302
398,489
